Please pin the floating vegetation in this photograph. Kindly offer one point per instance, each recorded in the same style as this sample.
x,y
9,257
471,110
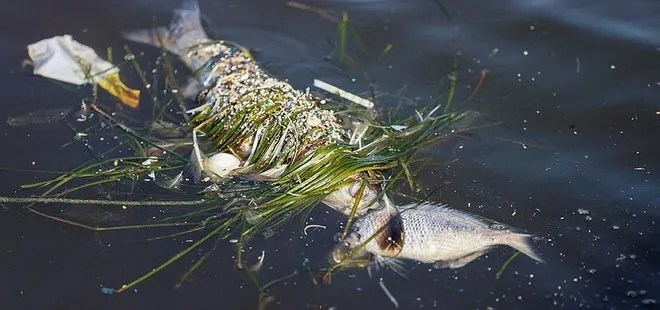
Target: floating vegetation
x,y
280,151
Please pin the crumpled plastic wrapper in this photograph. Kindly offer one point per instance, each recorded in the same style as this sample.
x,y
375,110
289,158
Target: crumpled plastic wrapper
x,y
64,59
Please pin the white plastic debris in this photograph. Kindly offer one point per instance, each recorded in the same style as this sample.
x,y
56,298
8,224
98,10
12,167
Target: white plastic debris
x,y
344,94
64,59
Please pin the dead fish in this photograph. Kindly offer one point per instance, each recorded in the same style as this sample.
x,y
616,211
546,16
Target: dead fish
x,y
39,117
230,82
344,198
429,233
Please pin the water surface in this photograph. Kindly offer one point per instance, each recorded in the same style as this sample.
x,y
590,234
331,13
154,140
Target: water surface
x,y
573,85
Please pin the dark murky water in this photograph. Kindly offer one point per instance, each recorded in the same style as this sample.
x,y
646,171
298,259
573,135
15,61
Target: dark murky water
x,y
574,82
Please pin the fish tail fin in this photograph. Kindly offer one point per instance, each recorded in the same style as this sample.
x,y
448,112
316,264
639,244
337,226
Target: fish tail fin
x,y
184,31
522,243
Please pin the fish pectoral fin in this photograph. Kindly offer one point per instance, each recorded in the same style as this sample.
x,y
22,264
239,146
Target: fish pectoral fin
x,y
378,261
459,262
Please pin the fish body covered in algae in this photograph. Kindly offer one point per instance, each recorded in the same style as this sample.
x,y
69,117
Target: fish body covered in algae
x,y
429,233
256,124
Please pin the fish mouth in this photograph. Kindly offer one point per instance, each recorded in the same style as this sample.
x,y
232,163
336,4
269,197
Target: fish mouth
x,y
345,250
345,256
340,253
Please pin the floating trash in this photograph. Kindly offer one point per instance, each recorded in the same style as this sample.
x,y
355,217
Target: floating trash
x,y
64,59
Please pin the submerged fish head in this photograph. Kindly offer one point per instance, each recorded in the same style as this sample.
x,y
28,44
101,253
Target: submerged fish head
x,y
343,199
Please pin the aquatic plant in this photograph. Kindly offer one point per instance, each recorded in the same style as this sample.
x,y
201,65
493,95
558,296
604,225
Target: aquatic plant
x,y
376,153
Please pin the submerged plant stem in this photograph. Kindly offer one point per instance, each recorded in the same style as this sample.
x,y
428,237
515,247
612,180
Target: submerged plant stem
x,y
358,198
93,228
452,86
482,78
171,260
127,203
506,264
132,133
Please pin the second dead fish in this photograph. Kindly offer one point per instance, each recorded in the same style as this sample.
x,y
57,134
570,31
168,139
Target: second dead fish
x,y
39,117
430,234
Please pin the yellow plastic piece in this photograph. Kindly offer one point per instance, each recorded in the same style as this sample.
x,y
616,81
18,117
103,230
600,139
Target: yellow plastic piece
x,y
113,85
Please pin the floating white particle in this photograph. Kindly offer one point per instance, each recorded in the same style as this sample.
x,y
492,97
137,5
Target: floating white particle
x,y
648,301
525,53
312,226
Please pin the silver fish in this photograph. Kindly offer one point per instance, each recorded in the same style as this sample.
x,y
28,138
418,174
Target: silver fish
x,y
429,233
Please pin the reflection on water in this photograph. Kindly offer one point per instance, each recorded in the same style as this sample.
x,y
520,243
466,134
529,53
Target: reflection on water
x,y
612,20
574,84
